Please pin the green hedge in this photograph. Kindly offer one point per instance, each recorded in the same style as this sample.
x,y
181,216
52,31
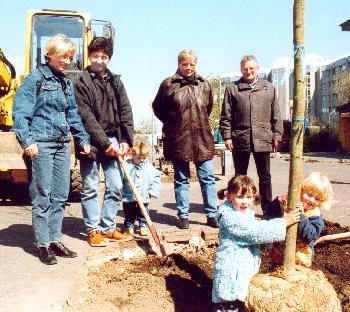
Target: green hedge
x,y
322,138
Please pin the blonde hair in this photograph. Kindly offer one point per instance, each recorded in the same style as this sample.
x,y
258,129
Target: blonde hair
x,y
186,54
59,44
247,58
319,184
140,149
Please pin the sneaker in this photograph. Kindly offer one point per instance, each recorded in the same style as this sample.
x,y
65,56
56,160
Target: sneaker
x,y
143,231
47,256
183,223
96,239
62,251
129,231
211,221
116,236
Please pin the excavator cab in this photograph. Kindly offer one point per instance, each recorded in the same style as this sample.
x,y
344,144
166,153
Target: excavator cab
x,y
41,25
79,27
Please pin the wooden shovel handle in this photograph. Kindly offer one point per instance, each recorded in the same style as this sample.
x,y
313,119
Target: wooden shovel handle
x,y
332,237
140,203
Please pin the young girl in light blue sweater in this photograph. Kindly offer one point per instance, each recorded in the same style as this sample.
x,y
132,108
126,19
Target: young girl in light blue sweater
x,y
238,253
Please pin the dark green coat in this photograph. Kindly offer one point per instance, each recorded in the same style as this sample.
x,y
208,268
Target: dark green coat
x,y
251,116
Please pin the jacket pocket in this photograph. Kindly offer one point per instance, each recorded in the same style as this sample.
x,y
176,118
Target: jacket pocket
x,y
241,138
49,87
265,134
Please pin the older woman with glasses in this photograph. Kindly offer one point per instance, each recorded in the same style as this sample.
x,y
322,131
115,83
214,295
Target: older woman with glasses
x,y
44,116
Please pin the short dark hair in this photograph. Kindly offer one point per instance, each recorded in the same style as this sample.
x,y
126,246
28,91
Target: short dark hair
x,y
101,44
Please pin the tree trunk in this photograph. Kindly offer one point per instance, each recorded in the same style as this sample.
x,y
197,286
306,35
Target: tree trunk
x,y
297,125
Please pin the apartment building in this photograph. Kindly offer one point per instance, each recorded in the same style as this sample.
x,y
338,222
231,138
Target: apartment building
x,y
325,80
281,77
332,80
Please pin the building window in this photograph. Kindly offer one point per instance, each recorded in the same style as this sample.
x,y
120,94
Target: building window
x,y
334,98
336,70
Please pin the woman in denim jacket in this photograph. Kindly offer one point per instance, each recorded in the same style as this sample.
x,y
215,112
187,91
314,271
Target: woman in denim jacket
x,y
44,114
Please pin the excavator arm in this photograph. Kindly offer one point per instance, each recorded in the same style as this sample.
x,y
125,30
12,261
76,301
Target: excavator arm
x,y
8,85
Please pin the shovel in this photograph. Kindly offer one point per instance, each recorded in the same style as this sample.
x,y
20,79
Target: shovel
x,y
150,225
332,237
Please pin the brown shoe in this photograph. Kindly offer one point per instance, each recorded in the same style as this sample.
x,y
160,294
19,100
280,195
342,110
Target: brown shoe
x,y
116,236
96,239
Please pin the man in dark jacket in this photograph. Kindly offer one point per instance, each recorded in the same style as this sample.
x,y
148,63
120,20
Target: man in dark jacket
x,y
251,123
183,104
107,116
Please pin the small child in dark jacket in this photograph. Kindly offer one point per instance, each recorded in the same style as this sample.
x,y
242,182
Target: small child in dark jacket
x,y
316,195
147,182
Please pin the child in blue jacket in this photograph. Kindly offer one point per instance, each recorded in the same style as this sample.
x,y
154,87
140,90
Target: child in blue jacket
x,y
238,254
316,195
148,183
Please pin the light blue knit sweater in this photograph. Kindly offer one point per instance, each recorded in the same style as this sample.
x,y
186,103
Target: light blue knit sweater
x,y
238,253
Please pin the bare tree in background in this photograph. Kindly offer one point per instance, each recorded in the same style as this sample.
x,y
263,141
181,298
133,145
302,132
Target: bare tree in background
x,y
218,95
145,127
343,89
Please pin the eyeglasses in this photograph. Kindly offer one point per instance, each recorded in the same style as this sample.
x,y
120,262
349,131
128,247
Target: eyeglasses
x,y
186,64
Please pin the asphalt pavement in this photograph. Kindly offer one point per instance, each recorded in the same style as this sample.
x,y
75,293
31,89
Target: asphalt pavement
x,y
28,285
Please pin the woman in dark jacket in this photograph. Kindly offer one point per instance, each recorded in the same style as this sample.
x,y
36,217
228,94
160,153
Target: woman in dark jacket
x,y
183,104
44,116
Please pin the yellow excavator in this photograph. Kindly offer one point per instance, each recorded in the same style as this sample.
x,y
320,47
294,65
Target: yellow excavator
x,y
40,26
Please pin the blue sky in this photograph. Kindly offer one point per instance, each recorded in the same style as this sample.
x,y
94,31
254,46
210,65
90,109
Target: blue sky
x,y
150,33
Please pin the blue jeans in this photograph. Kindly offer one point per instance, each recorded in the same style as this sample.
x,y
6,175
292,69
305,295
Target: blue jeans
x,y
49,189
182,186
95,218
132,212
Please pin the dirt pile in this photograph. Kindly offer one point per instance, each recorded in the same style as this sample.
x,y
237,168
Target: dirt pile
x,y
182,281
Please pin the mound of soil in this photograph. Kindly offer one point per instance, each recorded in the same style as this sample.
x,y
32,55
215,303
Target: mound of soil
x,y
182,281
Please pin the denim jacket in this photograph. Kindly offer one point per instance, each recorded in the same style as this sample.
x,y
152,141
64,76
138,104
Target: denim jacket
x,y
146,179
42,111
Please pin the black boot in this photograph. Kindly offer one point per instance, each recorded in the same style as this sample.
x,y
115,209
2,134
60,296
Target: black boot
x,y
183,223
62,251
212,222
47,256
